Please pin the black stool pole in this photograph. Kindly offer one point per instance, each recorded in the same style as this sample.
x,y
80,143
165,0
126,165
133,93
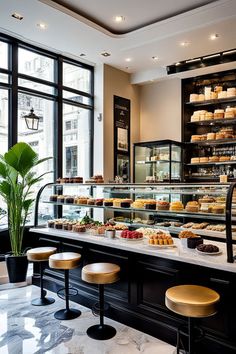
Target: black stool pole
x,y
101,303
190,336
67,313
43,300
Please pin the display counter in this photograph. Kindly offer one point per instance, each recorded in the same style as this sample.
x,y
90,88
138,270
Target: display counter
x,y
138,299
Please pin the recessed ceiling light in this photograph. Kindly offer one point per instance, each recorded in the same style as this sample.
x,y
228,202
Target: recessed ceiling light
x,y
119,18
42,25
184,43
178,63
17,16
128,59
155,57
105,54
214,36
82,55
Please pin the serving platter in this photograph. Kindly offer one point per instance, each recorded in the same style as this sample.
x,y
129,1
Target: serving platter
x,y
208,253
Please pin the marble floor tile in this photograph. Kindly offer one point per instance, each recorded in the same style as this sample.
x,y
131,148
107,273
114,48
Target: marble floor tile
x,y
27,329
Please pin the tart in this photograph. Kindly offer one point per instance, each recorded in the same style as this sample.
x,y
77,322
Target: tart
x,y
162,205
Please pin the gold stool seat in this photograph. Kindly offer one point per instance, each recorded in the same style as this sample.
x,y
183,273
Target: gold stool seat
x,y
192,300
64,260
101,273
40,254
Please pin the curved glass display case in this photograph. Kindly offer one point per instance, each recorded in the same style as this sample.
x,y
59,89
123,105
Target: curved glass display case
x,y
208,210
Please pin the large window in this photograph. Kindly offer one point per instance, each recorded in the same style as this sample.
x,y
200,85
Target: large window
x,y
60,91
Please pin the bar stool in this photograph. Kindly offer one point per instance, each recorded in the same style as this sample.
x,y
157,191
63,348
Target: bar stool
x,y
65,261
41,254
191,301
101,274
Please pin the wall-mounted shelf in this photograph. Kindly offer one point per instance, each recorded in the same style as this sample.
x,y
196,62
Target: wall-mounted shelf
x,y
211,102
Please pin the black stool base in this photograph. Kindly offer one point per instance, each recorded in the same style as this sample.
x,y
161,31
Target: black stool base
x,y
99,332
42,302
67,314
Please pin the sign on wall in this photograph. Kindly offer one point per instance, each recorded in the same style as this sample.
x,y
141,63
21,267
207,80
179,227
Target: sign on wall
x,y
122,137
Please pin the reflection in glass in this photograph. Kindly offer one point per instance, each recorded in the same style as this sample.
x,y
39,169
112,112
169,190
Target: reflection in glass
x,y
3,55
76,141
76,77
36,65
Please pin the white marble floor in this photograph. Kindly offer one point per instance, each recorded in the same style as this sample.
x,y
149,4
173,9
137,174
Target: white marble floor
x,y
27,329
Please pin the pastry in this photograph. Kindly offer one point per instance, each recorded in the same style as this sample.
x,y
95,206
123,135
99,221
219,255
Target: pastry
x,y
193,97
213,158
188,225
218,114
195,118
138,204
206,199
108,202
229,112
125,203
162,205
99,202
195,160
160,239
222,94
218,88
224,158
192,206
53,198
219,136
214,95
150,204
196,138
203,159
201,97
209,116
69,200
209,248
60,199
218,209
211,136
231,92
176,206
186,234
91,201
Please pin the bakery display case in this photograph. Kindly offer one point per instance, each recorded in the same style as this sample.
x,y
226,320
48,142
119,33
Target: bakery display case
x,y
157,161
192,210
209,127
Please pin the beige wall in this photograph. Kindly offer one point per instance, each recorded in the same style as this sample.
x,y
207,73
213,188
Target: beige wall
x,y
160,110
117,82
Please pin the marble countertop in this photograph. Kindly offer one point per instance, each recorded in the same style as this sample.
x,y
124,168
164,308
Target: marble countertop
x,y
178,253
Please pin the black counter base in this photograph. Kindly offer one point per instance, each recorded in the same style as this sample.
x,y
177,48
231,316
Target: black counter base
x,y
138,299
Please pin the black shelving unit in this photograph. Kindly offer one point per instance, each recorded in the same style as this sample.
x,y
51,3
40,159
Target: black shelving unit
x,y
208,171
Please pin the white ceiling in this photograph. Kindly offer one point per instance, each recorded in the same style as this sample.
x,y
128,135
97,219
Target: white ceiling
x,y
70,34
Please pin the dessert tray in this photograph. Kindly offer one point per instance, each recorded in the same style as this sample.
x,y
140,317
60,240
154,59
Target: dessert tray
x,y
161,246
208,253
130,239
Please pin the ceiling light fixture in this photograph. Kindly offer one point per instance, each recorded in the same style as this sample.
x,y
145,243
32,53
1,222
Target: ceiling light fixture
x,y
128,59
105,54
184,44
119,18
155,57
17,16
42,25
214,36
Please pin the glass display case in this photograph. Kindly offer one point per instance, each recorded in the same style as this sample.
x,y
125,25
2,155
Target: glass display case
x,y
207,210
157,161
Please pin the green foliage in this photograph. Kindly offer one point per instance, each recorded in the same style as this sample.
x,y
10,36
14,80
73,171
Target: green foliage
x,y
16,179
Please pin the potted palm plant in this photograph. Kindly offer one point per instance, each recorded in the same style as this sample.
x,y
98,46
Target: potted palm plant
x,y
17,176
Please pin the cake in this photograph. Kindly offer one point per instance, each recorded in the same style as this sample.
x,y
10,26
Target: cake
x,y
116,202
203,159
53,198
213,158
211,136
162,205
195,160
218,209
150,204
125,203
218,114
193,97
219,136
58,225
222,94
60,199
192,206
209,248
99,202
231,92
201,97
229,112
196,138
138,204
77,179
91,201
51,224
209,116
108,202
69,200
176,206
